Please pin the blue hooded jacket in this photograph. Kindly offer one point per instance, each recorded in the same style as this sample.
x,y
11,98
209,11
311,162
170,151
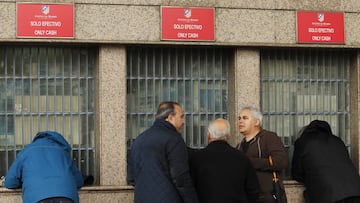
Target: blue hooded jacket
x,y
45,169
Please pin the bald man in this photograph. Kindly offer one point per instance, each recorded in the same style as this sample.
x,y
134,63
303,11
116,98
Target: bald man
x,y
220,172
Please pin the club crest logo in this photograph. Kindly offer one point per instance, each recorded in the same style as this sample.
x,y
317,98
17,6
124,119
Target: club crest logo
x,y
187,13
45,9
320,17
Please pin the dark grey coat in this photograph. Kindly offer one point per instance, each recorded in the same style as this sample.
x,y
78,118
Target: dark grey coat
x,y
321,161
158,166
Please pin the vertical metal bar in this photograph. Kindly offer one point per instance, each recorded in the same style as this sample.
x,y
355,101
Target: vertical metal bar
x,y
138,116
332,81
62,78
161,75
168,76
198,56
74,54
192,90
322,82
341,83
188,58
130,97
145,79
86,112
47,87
268,81
13,93
22,91
153,66
303,85
39,79
290,134
5,109
282,118
296,111
314,77
335,81
175,71
78,111
70,81
346,78
55,88
222,81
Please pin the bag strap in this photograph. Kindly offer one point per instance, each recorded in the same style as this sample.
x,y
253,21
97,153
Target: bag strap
x,y
275,178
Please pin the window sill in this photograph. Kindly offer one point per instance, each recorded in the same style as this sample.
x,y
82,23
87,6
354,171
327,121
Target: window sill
x,y
87,188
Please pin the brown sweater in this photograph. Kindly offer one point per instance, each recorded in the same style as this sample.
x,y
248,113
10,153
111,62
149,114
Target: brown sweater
x,y
267,143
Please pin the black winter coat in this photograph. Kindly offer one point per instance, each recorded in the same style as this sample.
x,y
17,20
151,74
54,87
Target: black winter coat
x,y
159,168
222,173
321,161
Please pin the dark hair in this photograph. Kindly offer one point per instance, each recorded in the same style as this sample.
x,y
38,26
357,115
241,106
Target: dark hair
x,y
165,109
319,125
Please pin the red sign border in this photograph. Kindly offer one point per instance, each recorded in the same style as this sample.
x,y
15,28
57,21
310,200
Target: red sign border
x,y
44,37
186,40
311,42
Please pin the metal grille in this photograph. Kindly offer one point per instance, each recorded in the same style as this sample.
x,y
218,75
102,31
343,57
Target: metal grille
x,y
46,88
196,78
298,86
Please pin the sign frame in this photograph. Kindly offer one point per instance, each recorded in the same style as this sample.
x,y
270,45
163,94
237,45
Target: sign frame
x,y
45,20
187,23
320,27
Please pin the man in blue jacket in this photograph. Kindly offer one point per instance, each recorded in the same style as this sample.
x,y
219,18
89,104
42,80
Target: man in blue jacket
x,y
158,162
45,171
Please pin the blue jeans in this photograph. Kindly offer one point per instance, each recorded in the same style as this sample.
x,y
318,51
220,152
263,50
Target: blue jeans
x,y
57,200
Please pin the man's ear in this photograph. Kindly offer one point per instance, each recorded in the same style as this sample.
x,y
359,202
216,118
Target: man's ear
x,y
257,122
208,137
169,118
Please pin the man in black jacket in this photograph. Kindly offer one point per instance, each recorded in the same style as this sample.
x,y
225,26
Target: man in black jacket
x,y
321,161
158,162
220,172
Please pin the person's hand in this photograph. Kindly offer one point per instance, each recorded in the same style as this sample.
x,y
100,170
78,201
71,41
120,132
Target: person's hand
x,y
88,180
2,181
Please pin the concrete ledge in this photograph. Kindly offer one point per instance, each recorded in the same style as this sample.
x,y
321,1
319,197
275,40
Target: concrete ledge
x,y
87,188
294,191
125,193
107,188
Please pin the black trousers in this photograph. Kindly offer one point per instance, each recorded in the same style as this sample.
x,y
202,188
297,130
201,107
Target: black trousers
x,y
350,200
57,200
346,200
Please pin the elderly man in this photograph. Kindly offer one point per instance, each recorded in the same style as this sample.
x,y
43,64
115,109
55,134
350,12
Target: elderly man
x,y
220,172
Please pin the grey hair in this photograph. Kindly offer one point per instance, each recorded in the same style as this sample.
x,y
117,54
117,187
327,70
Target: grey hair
x,y
217,132
255,112
165,109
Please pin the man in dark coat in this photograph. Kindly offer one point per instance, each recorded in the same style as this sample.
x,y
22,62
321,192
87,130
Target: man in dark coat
x,y
321,161
220,172
158,162
258,144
